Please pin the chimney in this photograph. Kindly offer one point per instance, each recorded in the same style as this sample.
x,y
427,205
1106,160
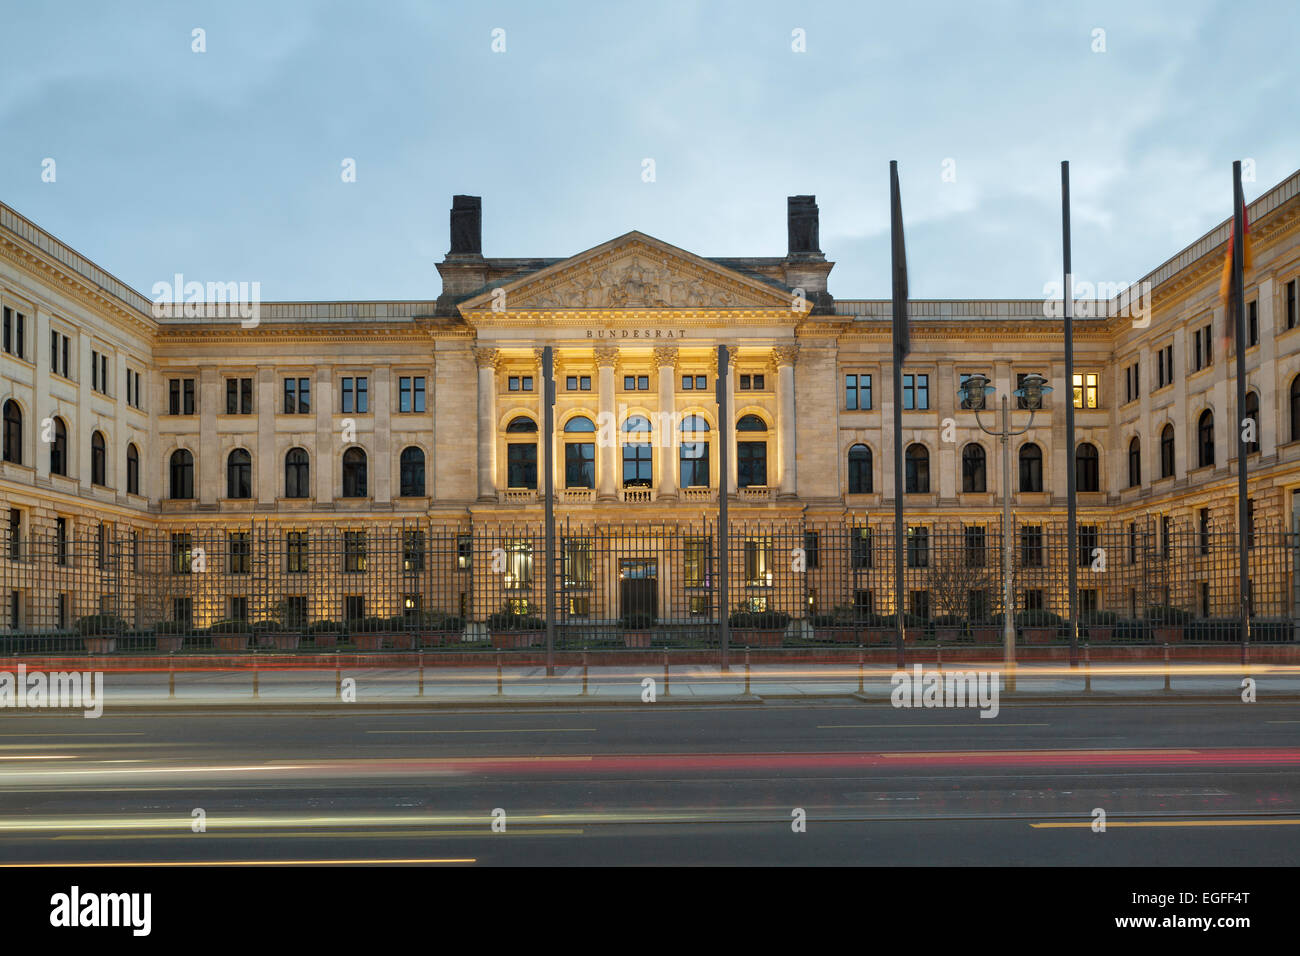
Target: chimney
x,y
801,218
466,226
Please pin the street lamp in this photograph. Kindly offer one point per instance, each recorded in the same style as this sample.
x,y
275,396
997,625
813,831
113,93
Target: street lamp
x,y
972,395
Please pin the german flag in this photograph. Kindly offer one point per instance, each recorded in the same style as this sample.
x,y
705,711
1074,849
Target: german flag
x,y
1227,288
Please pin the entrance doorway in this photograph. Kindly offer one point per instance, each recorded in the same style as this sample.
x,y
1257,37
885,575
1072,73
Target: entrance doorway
x,y
638,587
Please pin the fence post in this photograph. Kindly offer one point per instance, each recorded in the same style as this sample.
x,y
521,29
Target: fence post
x,y
171,676
584,673
499,685
665,673
256,675
746,671
338,677
1087,668
938,652
421,673
860,675
1167,674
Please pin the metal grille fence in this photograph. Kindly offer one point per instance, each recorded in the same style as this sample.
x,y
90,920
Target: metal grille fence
x,y
791,584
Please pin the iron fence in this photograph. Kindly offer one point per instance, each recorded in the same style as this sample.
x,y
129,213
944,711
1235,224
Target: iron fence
x,y
794,583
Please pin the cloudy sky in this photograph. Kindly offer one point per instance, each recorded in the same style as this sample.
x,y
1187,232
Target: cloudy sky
x,y
226,165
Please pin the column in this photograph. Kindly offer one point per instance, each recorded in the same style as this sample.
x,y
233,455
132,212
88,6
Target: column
x,y
666,432
327,460
487,360
209,461
786,356
268,469
731,425
42,404
382,395
607,426
1269,419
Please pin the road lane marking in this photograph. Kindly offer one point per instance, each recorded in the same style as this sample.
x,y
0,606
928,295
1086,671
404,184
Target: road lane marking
x,y
1074,825
970,724
164,863
494,730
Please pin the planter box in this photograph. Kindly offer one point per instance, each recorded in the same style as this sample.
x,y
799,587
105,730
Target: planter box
x,y
947,635
1039,635
986,633
1168,633
326,638
1098,634
230,642
286,640
370,641
757,638
100,645
839,635
402,640
509,640
636,638
169,643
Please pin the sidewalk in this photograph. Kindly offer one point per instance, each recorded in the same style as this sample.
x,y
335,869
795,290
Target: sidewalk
x,y
523,685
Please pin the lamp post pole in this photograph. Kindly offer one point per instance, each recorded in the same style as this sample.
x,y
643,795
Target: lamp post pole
x,y
972,395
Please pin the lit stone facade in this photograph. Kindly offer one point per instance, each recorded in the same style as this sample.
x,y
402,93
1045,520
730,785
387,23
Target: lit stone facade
x,y
635,324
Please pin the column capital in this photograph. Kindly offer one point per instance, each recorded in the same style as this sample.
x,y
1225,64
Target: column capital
x,y
487,358
606,355
666,355
785,354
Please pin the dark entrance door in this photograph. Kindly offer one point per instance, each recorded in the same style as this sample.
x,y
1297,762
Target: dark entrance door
x,y
638,587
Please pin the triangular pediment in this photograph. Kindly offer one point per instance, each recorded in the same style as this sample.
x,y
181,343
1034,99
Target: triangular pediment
x,y
633,272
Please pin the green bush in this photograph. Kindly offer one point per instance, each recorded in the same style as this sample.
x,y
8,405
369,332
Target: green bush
x,y
231,626
637,621
759,620
508,619
1099,618
264,627
171,628
1167,616
327,627
100,625
909,620
948,620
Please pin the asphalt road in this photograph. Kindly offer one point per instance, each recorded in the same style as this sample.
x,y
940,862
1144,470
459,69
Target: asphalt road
x,y
1180,784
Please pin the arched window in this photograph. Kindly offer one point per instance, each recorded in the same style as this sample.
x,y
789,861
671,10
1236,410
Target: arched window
x,y
182,475
132,469
354,473
1205,438
98,459
917,470
1087,475
297,474
1252,412
1167,451
638,455
412,473
751,456
1031,468
59,449
694,457
974,476
1134,463
521,456
579,454
239,474
13,443
860,470
1295,408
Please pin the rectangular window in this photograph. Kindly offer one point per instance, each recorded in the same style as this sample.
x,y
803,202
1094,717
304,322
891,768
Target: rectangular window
x,y
916,392
696,558
1291,316
183,611
354,551
1164,366
811,550
296,552
180,396
356,395
758,563
1088,543
412,551
860,550
1203,530
294,613
578,383
976,546
99,372
181,552
61,541
919,604
1252,324
519,565
578,569
857,392
354,607
241,553
1031,546
15,534
59,347
1033,599
1085,389
464,552
239,396
864,603
410,393
238,606
918,547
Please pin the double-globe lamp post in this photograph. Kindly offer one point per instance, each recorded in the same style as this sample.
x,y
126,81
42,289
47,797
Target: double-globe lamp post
x,y
972,395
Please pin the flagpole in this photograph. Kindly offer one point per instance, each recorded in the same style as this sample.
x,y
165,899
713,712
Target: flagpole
x,y
1238,312
899,302
1071,500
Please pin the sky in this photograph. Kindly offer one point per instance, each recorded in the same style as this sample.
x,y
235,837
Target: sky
x,y
229,164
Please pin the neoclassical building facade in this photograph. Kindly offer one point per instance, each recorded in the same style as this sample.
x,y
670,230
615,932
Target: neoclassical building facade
x,y
374,414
